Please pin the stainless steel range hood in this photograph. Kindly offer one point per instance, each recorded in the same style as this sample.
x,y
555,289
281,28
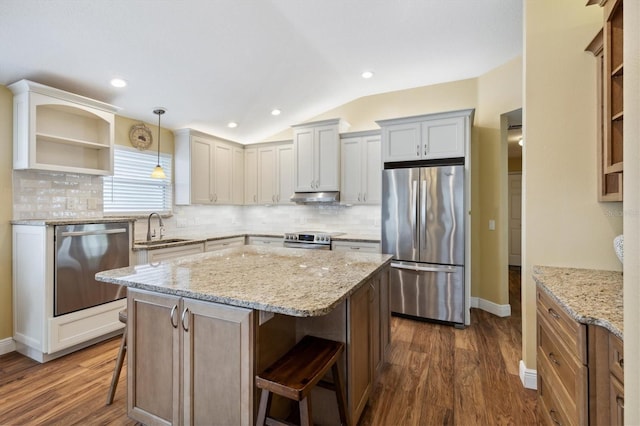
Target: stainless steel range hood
x,y
332,197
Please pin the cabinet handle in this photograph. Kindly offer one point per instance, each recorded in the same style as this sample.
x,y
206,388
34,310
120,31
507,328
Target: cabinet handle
x,y
215,198
255,198
418,151
364,197
354,248
619,401
358,196
554,418
621,363
553,358
553,313
184,316
273,198
173,311
425,149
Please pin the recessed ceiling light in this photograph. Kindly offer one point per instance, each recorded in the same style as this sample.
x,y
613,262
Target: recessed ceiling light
x,y
275,112
118,82
232,124
367,74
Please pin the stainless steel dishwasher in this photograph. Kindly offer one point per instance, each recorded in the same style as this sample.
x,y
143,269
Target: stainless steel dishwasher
x,y
82,250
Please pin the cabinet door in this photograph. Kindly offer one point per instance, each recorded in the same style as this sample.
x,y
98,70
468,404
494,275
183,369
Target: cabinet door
x,y
213,245
351,167
285,174
218,359
267,175
327,158
372,170
237,184
201,171
401,142
251,176
222,173
153,358
359,351
443,138
304,174
616,402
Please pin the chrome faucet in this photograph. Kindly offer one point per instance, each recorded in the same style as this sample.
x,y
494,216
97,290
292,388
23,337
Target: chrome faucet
x,y
149,234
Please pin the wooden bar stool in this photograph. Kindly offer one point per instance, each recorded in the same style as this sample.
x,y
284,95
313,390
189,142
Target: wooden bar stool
x,y
122,316
296,373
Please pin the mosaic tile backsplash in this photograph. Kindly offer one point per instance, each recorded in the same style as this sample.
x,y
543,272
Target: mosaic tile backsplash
x,y
49,195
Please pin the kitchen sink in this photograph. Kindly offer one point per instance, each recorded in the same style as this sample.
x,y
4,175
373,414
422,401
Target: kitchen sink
x,y
163,241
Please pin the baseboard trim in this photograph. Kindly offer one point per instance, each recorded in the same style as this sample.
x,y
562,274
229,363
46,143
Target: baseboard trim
x,y
7,345
491,307
528,377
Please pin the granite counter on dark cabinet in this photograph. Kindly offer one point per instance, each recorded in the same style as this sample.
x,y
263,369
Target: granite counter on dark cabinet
x,y
589,296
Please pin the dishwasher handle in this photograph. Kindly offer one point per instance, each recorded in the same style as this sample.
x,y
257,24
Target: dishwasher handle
x,y
445,269
99,232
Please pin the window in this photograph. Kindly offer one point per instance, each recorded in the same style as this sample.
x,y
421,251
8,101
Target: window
x,y
131,188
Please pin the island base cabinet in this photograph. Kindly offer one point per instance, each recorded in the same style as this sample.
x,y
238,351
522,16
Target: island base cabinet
x,y
189,361
153,359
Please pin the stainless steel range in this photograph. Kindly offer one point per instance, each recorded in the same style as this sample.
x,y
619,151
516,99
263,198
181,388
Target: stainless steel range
x,y
310,239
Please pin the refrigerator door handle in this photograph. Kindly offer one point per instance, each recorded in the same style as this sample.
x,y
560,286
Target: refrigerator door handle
x,y
446,269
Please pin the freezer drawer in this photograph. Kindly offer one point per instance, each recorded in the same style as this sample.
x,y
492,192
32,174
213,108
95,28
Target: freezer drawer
x,y
428,291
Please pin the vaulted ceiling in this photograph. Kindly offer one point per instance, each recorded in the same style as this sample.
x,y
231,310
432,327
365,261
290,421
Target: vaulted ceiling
x,y
209,62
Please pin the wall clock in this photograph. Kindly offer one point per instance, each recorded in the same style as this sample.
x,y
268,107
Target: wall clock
x,y
140,136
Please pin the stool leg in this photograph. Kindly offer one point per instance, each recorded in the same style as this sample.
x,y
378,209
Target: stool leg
x,y
305,412
116,371
265,406
337,380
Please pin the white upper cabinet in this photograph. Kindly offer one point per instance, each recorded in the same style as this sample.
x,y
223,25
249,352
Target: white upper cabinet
x,y
426,137
206,169
59,131
317,155
361,169
275,174
251,176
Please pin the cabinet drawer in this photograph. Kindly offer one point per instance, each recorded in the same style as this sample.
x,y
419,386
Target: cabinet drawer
x,y
616,402
563,363
213,245
616,357
555,406
571,333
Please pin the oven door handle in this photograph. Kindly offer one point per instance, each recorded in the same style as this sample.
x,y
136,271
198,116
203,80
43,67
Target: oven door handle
x,y
308,246
85,233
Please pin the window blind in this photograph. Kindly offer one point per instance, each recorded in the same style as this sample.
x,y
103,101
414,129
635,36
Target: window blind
x,y
131,189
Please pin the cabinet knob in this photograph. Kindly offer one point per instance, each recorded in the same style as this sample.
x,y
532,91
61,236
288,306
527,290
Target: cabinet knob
x,y
553,358
358,196
620,401
553,313
173,312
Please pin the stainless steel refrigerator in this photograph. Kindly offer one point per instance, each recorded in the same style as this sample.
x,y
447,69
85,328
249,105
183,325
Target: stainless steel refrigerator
x,y
423,227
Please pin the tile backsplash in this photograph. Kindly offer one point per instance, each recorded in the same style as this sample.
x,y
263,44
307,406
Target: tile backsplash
x,y
51,195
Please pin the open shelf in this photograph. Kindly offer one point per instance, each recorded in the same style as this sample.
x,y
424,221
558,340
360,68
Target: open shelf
x,y
60,131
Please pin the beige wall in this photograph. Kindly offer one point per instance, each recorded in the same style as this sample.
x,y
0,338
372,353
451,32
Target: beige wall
x,y
123,126
6,160
564,225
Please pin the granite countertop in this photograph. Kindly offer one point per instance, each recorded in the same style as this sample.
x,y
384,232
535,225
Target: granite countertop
x,y
294,282
589,296
201,238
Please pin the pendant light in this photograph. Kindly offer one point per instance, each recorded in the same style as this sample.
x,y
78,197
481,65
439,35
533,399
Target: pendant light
x,y
158,173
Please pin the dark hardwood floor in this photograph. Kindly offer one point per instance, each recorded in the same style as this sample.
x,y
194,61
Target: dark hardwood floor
x,y
435,375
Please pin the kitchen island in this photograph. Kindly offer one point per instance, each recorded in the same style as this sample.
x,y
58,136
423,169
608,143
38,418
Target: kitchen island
x,y
201,327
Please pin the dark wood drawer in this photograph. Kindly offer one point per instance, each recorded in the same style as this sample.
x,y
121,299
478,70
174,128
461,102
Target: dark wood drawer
x,y
571,333
555,407
561,361
616,357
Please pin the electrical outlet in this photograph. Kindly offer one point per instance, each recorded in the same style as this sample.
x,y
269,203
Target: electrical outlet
x,y
492,225
71,203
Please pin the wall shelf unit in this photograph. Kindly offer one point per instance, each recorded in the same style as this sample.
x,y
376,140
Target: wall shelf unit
x,y
59,131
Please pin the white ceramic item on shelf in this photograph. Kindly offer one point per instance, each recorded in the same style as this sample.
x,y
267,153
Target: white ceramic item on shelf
x,y
618,246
